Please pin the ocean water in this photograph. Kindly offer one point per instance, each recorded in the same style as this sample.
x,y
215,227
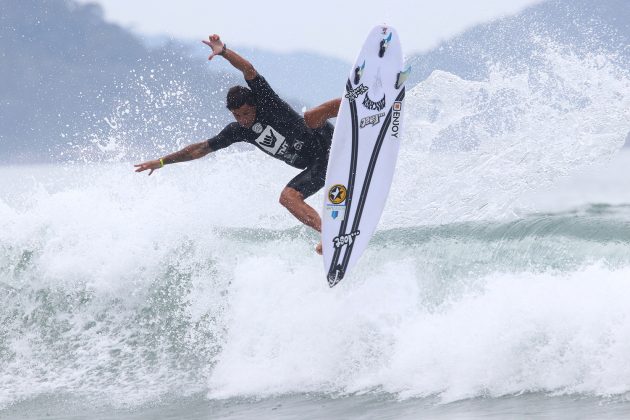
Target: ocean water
x,y
497,285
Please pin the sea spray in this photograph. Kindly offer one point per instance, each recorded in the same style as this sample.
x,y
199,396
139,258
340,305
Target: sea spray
x,y
471,148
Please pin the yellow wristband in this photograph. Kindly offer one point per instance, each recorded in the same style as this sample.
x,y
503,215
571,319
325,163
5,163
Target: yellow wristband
x,y
161,162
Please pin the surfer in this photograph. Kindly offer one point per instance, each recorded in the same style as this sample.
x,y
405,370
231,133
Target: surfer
x,y
269,123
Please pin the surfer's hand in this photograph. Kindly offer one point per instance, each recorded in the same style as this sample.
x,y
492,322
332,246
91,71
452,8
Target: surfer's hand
x,y
216,44
151,165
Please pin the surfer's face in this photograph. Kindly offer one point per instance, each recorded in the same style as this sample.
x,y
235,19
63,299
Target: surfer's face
x,y
245,115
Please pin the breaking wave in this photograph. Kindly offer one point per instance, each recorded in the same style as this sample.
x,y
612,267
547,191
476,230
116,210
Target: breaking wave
x,y
124,289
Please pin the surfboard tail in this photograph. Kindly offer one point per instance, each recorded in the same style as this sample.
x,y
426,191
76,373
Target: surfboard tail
x,y
383,45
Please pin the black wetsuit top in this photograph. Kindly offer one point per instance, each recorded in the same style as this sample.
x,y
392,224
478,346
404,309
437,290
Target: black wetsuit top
x,y
278,130
282,133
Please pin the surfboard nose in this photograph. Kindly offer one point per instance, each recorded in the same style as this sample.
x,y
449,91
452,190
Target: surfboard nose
x,y
335,275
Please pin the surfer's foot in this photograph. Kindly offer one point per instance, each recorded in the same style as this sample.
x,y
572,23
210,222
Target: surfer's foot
x,y
318,248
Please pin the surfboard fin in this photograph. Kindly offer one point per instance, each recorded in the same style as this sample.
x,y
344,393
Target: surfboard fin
x,y
384,44
358,72
402,77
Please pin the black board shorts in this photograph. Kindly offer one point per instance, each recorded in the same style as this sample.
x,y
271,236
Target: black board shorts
x,y
313,178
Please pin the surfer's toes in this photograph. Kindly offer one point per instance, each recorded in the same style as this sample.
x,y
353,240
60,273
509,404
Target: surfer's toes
x,y
318,248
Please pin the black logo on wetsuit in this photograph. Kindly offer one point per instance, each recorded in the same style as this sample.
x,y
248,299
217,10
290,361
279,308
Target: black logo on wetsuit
x,y
269,140
375,106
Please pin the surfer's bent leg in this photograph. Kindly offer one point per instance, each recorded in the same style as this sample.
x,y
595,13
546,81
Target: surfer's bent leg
x,y
293,200
305,184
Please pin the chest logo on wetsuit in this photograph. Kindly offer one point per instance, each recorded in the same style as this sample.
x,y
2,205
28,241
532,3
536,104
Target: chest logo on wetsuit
x,y
270,140
337,194
257,128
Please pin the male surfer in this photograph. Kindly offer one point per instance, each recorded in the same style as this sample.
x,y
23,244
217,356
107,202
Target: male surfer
x,y
269,123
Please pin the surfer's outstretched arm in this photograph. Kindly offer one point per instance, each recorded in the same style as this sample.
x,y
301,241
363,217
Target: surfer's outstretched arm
x,y
190,152
316,117
219,48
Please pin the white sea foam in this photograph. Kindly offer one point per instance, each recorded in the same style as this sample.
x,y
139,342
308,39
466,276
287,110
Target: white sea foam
x,y
561,333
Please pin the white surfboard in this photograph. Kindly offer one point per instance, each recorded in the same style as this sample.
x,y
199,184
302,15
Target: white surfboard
x,y
363,152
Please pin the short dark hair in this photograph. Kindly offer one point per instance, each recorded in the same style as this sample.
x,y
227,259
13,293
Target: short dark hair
x,y
238,96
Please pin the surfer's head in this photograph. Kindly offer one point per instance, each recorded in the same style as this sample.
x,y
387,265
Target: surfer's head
x,y
242,103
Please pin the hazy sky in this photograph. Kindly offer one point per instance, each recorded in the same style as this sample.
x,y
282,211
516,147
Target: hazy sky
x,y
334,27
